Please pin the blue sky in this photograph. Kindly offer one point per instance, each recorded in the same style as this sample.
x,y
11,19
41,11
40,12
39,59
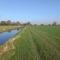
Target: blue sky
x,y
35,11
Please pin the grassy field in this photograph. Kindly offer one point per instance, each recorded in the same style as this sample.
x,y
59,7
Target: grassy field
x,y
35,43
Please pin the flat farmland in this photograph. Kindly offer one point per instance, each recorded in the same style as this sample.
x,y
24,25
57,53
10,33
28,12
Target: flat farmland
x,y
36,43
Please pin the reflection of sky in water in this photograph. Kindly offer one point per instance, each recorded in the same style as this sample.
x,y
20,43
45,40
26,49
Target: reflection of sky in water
x,y
6,35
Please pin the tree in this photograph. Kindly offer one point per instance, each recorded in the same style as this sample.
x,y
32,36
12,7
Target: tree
x,y
9,22
54,24
18,23
42,24
3,23
49,24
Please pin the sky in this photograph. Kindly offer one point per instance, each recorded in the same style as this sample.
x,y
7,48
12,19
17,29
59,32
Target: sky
x,y
34,11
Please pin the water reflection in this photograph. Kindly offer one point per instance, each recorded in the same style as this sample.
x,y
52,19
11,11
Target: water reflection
x,y
4,36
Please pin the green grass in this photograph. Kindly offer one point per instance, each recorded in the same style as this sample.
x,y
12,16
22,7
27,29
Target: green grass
x,y
36,43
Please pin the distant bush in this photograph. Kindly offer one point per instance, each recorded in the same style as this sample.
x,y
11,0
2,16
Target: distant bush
x,y
54,24
42,24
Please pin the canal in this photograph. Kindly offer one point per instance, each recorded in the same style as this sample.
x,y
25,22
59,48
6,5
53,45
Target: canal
x,y
5,36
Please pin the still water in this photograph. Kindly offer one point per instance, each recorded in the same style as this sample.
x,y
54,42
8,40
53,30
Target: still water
x,y
4,36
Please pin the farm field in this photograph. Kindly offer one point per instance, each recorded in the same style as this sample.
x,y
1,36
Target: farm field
x,y
36,43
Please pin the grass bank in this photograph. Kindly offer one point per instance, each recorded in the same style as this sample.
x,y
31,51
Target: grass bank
x,y
7,28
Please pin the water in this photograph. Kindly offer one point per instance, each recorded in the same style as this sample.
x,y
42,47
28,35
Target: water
x,y
4,36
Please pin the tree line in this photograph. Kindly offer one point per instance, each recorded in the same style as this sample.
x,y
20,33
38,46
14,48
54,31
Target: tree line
x,y
9,22
51,24
17,23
